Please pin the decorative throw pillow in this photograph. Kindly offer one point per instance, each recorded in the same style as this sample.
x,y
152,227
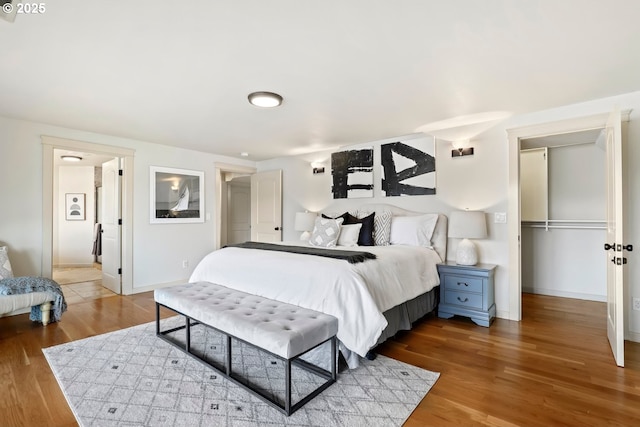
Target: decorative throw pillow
x,y
326,232
5,265
349,235
366,232
381,226
413,230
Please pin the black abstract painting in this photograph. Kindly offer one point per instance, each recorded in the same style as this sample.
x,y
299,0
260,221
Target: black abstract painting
x,y
408,168
352,173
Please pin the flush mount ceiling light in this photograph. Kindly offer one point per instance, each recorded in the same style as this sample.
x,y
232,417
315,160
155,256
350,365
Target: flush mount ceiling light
x,y
265,99
69,158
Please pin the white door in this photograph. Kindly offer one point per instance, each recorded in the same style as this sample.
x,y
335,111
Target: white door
x,y
111,225
615,236
239,213
266,206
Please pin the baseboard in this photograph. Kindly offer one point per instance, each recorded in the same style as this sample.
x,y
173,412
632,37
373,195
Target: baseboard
x,y
81,265
632,336
140,290
556,293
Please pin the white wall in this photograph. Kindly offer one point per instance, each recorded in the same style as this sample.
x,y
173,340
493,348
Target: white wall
x,y
477,182
158,249
73,240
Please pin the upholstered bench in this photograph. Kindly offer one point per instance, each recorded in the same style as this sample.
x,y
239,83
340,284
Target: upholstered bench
x,y
284,330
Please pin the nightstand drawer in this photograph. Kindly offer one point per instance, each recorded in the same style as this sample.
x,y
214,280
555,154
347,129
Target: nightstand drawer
x,y
463,283
463,299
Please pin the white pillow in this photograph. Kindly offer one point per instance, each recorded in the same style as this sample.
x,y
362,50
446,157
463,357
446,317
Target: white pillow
x,y
349,234
413,230
5,265
326,232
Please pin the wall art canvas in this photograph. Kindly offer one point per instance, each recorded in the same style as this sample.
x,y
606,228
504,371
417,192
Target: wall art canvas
x,y
177,195
75,207
352,173
408,168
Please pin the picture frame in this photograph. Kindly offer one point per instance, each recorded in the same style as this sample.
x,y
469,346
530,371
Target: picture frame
x,y
176,195
75,207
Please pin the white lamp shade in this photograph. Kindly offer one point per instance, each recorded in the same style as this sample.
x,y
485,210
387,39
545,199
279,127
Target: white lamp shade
x,y
467,225
305,221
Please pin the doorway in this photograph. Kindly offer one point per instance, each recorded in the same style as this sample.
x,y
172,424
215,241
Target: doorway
x,y
563,215
226,173
515,137
50,146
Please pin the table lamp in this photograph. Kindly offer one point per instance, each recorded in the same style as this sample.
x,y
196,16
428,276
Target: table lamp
x,y
467,225
305,222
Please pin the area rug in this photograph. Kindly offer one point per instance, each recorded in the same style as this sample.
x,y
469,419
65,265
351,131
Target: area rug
x,y
132,378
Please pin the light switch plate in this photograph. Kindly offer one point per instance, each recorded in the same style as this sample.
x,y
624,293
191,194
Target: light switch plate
x,y
500,217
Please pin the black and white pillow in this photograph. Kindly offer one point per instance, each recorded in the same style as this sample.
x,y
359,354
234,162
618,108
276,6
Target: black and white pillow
x,y
5,265
381,226
366,231
326,232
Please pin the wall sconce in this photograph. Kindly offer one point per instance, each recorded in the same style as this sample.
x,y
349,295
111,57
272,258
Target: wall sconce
x,y
461,148
317,167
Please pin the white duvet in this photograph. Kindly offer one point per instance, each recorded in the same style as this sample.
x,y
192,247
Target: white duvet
x,y
357,294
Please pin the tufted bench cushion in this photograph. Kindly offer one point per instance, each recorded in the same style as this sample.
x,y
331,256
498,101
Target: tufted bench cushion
x,y
282,329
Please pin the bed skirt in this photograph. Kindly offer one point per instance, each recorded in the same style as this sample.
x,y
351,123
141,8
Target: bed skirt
x,y
401,317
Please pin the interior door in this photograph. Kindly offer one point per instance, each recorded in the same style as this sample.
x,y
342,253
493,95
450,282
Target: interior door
x,y
615,236
266,206
111,234
239,213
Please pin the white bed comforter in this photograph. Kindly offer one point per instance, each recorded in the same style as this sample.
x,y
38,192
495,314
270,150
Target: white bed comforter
x,y
356,294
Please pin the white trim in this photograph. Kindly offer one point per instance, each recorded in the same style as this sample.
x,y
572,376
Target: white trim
x,y
49,143
221,167
563,294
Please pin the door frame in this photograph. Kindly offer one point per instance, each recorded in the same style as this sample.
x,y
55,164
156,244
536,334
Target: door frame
x,y
596,121
50,143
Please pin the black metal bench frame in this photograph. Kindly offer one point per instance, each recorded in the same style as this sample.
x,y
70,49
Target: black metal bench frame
x,y
287,408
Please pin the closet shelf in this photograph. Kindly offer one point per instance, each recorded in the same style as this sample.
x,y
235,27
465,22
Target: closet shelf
x,y
574,224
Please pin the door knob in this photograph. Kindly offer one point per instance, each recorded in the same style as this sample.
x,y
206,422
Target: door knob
x,y
608,247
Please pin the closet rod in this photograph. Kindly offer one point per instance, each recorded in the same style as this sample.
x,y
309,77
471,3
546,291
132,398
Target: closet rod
x,y
573,227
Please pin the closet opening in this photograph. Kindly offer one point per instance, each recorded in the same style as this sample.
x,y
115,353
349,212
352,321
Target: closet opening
x,y
563,202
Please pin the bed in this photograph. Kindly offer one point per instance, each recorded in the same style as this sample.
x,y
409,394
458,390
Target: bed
x,y
372,299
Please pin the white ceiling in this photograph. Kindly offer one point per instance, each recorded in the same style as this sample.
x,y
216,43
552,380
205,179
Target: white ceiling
x,y
178,73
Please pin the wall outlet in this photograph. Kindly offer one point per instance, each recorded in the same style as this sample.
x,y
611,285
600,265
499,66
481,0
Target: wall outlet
x,y
500,217
636,303
185,263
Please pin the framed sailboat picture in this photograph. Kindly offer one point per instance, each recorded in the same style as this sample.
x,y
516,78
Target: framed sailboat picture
x,y
177,195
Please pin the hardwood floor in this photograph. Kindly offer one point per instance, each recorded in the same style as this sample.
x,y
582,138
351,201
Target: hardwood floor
x,y
553,368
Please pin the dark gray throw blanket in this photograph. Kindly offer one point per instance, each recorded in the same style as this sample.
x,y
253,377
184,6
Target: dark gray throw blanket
x,y
353,257
26,284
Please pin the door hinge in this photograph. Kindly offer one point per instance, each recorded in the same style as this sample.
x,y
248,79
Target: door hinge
x,y
120,172
120,271
119,221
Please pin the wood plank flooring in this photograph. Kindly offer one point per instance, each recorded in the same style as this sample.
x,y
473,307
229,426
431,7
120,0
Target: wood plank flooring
x,y
553,368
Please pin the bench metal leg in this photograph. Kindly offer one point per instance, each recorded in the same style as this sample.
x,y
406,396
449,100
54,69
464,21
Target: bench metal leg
x,y
228,355
188,334
287,378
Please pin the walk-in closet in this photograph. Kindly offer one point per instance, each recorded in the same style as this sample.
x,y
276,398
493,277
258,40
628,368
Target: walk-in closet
x,y
563,211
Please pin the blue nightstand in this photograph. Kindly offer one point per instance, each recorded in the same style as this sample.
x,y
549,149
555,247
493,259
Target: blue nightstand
x,y
467,290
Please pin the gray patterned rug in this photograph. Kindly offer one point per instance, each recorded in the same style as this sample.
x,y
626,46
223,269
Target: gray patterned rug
x,y
132,378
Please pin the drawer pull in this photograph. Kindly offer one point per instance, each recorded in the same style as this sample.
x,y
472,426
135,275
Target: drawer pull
x,y
463,300
462,283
